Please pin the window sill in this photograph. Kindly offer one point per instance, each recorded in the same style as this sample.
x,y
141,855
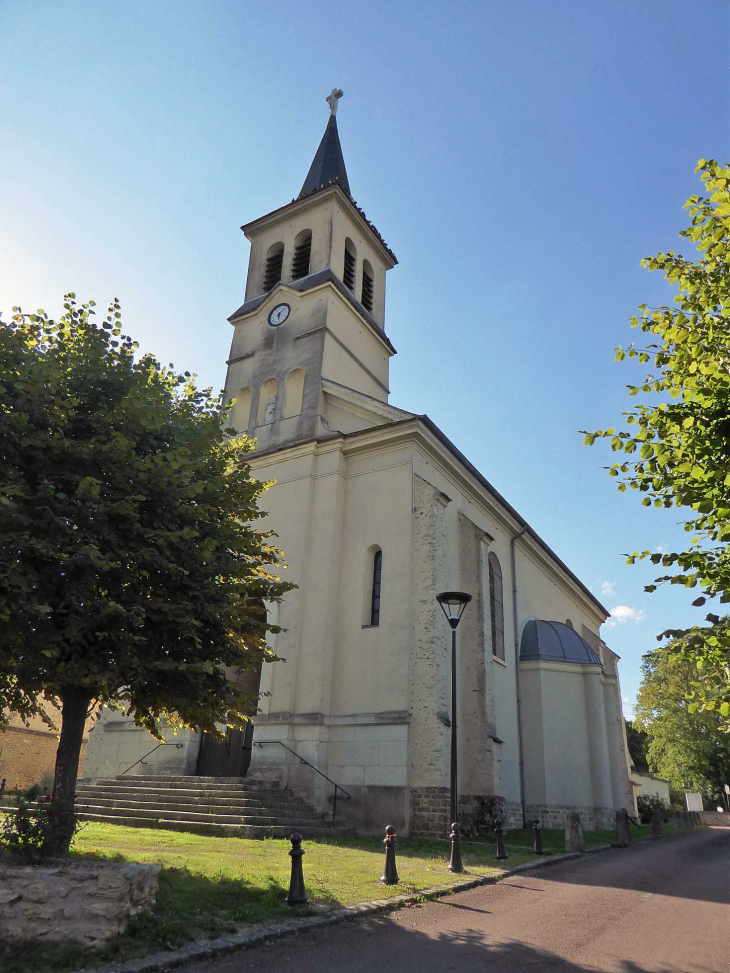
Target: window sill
x,y
501,662
370,626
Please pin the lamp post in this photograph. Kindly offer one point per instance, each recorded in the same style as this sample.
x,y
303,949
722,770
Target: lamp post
x,y
453,604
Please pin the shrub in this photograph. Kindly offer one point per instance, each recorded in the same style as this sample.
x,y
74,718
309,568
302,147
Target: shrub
x,y
24,833
647,802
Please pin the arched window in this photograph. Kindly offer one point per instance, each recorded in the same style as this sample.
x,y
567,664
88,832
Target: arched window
x,y
267,402
302,252
293,394
375,591
367,286
348,276
569,623
274,263
241,411
496,606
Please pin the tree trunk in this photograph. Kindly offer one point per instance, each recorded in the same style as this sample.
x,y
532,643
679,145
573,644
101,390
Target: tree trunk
x,y
74,708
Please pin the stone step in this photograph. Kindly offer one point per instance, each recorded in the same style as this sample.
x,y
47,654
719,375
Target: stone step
x,y
207,794
191,784
154,814
279,799
186,804
300,811
214,830
195,778
189,781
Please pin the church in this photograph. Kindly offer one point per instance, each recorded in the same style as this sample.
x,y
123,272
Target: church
x,y
377,512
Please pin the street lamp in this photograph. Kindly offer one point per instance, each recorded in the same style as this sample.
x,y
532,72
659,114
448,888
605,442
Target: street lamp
x,y
453,604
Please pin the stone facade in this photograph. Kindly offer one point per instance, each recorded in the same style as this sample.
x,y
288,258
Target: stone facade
x,y
555,816
73,900
363,686
429,813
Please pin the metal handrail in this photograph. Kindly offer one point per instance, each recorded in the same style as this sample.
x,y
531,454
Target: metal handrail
x,y
260,743
141,759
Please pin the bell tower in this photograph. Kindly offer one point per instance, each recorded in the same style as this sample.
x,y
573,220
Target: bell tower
x,y
309,356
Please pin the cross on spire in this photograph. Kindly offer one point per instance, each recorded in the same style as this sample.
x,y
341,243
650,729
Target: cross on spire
x,y
332,98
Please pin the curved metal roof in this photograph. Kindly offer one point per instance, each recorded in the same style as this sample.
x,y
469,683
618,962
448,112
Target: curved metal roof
x,y
555,642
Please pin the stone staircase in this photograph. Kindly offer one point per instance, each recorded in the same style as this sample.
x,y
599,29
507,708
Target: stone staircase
x,y
225,806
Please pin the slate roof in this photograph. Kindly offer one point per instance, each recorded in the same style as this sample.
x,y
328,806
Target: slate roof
x,y
443,438
328,165
555,642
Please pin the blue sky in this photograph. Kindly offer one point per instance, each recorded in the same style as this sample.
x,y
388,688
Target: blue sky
x,y
520,157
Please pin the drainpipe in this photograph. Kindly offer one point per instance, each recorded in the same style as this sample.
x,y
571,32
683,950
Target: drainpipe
x,y
517,671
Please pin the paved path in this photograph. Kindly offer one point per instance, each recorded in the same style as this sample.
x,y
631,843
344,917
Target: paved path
x,y
657,906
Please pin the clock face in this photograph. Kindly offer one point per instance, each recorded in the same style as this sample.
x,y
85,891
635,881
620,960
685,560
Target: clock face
x,y
279,315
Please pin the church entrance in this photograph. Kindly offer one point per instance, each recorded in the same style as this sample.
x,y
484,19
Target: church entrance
x,y
231,757
226,758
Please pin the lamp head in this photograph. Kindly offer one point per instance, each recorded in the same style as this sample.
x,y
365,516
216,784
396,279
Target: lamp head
x,y
453,604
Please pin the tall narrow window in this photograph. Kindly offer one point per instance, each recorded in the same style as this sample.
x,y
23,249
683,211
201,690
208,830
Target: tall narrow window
x,y
302,252
496,606
367,286
274,263
348,276
375,599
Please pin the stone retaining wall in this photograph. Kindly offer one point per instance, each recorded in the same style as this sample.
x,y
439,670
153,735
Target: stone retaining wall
x,y
79,901
429,814
554,816
720,819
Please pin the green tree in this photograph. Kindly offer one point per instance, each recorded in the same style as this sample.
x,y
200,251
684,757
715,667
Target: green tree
x,y
130,570
676,451
686,748
638,742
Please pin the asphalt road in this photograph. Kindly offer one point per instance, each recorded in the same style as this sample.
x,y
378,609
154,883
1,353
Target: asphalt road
x,y
657,906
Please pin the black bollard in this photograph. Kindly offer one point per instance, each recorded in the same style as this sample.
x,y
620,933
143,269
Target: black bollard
x,y
499,831
3,782
537,847
455,861
297,894
390,875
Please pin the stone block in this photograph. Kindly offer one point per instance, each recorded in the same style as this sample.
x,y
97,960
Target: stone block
x,y
393,753
74,900
574,832
386,776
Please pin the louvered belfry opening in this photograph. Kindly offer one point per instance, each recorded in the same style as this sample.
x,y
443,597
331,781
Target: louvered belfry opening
x,y
350,264
300,260
367,287
274,264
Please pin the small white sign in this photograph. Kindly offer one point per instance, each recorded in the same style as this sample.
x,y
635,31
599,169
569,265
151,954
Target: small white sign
x,y
694,802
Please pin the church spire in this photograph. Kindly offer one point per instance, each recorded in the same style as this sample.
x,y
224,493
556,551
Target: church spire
x,y
328,165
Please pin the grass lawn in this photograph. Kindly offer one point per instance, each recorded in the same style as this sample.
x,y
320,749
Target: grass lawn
x,y
209,886
553,840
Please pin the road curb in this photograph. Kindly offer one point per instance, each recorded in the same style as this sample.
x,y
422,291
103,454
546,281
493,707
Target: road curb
x,y
208,948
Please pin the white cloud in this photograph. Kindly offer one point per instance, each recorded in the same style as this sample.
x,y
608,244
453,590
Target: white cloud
x,y
661,548
622,614
628,707
608,588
